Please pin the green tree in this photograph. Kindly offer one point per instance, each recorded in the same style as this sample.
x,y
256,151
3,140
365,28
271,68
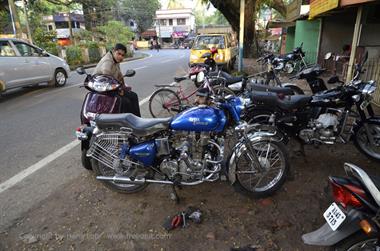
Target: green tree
x,y
4,20
142,12
115,32
231,10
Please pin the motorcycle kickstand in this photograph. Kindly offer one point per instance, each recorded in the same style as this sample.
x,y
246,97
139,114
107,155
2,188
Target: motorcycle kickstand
x,y
173,195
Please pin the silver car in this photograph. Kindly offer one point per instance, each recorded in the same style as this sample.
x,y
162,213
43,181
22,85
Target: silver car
x,y
23,64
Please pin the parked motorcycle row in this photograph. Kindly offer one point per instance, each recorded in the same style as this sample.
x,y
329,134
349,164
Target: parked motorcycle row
x,y
127,152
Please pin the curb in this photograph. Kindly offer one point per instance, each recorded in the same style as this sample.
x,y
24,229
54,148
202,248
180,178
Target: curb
x,y
93,65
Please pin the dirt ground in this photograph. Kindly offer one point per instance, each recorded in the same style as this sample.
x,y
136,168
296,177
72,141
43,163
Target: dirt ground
x,y
85,215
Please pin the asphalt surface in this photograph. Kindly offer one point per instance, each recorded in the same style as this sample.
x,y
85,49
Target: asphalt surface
x,y
36,122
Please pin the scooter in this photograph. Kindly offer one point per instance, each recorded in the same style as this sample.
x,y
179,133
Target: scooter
x,y
352,220
103,97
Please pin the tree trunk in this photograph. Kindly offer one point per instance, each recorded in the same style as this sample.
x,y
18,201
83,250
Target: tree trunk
x,y
87,17
231,11
249,28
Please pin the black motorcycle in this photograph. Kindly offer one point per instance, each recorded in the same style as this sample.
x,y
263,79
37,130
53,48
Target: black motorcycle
x,y
103,97
327,117
352,220
291,61
238,85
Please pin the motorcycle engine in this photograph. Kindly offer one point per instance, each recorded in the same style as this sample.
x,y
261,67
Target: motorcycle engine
x,y
193,150
322,129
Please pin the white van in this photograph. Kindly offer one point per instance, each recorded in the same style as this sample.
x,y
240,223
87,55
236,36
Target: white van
x,y
23,64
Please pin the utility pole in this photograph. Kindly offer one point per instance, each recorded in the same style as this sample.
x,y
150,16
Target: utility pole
x,y
241,34
15,19
27,22
71,30
355,41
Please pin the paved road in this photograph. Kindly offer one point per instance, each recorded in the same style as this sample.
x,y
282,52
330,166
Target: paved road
x,y
35,123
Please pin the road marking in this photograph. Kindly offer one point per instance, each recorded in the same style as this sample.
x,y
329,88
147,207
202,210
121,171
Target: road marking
x,y
59,90
40,164
169,60
139,68
25,173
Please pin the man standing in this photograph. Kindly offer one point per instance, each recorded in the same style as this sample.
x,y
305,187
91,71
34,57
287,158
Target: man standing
x,y
110,65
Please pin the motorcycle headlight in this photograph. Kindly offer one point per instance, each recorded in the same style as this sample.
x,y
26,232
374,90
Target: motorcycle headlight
x,y
279,67
356,98
103,86
200,77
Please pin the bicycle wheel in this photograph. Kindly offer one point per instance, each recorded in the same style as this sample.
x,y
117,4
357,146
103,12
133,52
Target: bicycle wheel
x,y
164,103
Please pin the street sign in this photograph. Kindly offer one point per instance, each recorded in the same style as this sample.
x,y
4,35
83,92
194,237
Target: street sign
x,y
321,6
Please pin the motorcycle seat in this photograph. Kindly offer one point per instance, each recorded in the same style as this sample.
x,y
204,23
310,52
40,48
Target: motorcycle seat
x,y
263,98
179,79
293,102
275,89
140,126
229,78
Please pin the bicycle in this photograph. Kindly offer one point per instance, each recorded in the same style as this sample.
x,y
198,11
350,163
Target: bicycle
x,y
166,103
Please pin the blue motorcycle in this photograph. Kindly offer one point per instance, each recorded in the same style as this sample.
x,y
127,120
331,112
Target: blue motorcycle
x,y
128,152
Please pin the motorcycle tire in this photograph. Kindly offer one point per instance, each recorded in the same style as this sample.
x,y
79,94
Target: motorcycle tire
x,y
118,187
86,161
358,136
355,240
241,185
259,116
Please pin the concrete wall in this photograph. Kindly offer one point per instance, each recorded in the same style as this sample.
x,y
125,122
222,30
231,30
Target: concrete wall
x,y
337,30
308,33
290,34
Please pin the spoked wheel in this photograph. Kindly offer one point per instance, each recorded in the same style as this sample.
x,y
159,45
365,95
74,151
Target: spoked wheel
x,y
263,180
164,103
370,147
103,170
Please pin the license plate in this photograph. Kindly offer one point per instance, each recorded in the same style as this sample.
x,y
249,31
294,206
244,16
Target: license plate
x,y
334,216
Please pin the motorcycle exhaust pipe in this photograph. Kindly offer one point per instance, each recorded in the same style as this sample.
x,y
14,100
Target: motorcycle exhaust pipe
x,y
125,180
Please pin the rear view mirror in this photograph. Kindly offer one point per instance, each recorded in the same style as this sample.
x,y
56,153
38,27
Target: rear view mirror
x,y
328,55
333,80
130,73
80,70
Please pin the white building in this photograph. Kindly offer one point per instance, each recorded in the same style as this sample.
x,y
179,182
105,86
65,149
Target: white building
x,y
174,23
60,24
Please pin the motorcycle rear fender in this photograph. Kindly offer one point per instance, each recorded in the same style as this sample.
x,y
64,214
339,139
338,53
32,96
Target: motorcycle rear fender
x,y
325,236
240,147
